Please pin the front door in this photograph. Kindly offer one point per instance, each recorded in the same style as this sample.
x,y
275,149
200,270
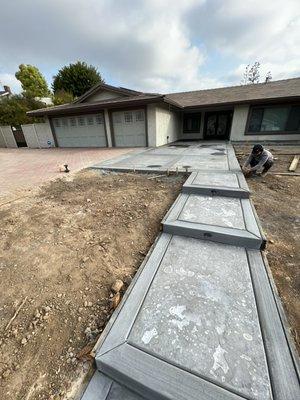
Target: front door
x,y
217,125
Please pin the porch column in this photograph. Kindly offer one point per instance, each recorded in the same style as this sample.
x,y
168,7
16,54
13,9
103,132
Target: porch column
x,y
107,128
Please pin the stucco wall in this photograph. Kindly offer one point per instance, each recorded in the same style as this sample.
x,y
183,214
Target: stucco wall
x,y
38,135
8,136
2,141
103,95
151,125
168,126
238,126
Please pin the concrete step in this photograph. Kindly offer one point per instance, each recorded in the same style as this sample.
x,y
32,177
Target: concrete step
x,y
101,387
215,218
200,322
226,184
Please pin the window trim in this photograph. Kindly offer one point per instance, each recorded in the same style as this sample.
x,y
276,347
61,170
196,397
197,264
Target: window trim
x,y
262,133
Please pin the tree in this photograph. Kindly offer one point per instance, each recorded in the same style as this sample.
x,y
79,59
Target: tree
x,y
252,74
13,110
76,78
62,97
33,82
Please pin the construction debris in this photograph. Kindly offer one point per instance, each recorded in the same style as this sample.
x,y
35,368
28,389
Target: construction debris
x,y
294,164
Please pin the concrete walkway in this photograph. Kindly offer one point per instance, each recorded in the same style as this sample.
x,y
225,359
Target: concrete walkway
x,y
200,321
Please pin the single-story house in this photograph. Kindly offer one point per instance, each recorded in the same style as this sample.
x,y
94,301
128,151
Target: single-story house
x,y
108,116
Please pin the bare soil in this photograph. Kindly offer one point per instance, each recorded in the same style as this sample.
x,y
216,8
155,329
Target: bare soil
x,y
276,199
62,247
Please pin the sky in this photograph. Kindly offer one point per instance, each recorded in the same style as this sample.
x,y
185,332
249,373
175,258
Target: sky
x,y
152,45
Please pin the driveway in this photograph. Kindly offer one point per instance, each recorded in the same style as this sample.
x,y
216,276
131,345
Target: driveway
x,y
25,168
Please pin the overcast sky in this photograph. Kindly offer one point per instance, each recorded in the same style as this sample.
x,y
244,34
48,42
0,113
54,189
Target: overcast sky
x,y
152,45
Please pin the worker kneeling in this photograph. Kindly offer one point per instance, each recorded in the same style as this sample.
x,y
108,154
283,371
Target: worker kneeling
x,y
258,162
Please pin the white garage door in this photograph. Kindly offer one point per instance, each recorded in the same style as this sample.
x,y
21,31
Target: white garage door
x,y
129,128
80,131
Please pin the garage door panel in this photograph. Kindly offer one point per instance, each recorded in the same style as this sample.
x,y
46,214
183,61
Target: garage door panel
x,y
80,131
129,128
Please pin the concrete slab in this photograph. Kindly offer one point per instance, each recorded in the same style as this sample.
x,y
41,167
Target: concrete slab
x,y
208,157
101,387
217,184
200,322
219,219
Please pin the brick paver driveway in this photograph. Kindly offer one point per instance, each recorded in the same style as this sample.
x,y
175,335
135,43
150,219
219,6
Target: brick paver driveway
x,y
25,168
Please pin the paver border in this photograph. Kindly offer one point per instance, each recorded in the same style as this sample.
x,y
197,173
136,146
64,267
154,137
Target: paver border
x,y
150,375
227,191
250,237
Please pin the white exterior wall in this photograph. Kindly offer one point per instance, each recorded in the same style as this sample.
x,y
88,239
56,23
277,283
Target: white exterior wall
x,y
30,136
168,126
107,128
2,140
8,136
238,127
151,125
38,135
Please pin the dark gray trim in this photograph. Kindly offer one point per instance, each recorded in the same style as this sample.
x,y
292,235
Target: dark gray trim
x,y
280,361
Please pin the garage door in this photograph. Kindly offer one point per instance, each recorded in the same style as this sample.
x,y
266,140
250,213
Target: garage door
x,y
129,128
80,131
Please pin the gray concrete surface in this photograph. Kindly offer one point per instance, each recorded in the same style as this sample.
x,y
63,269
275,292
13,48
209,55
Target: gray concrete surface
x,y
198,156
200,321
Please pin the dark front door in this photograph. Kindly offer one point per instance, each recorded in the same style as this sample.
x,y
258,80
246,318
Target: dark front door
x,y
217,125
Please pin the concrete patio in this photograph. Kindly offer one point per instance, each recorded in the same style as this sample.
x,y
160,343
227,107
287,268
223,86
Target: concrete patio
x,y
200,320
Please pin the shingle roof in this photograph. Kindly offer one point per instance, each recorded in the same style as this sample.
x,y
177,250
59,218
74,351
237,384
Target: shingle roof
x,y
82,107
237,94
284,89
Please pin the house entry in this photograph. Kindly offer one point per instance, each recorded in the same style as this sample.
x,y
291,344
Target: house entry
x,y
217,125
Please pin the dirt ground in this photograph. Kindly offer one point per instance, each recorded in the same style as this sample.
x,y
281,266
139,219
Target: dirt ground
x,y
61,249
276,199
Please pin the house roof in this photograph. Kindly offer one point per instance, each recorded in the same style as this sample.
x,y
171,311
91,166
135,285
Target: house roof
x,y
288,88
104,86
72,108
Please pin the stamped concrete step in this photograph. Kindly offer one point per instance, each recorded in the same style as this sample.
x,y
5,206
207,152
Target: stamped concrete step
x,y
200,322
101,387
217,184
216,218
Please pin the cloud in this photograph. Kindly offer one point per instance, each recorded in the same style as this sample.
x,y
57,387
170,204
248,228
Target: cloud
x,y
11,81
153,45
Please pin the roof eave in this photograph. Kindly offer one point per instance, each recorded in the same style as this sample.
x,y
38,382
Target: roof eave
x,y
89,107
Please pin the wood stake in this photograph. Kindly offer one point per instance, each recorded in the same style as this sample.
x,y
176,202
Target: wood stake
x,y
16,313
294,164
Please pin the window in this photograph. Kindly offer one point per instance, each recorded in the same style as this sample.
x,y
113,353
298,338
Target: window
x,y
57,123
90,120
191,123
99,119
81,121
65,122
128,117
271,119
72,121
139,115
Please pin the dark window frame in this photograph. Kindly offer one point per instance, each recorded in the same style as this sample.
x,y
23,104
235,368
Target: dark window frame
x,y
265,106
191,115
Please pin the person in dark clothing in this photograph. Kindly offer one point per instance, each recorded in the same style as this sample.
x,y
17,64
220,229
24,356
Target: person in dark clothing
x,y
260,160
